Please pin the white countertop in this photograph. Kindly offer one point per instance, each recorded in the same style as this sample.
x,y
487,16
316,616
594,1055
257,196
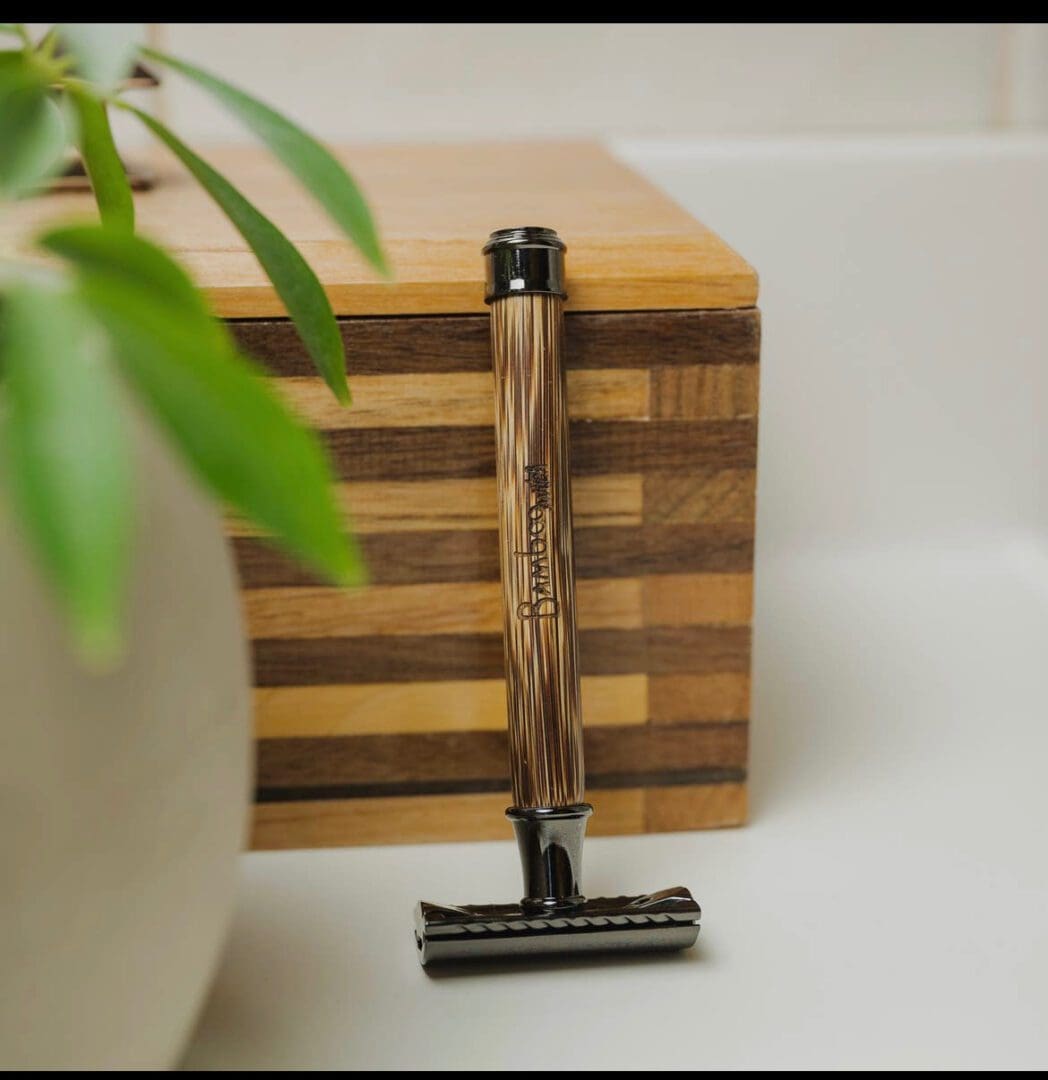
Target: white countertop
x,y
886,906
888,903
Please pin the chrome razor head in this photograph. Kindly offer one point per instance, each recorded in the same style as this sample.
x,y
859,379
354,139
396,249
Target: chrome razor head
x,y
661,921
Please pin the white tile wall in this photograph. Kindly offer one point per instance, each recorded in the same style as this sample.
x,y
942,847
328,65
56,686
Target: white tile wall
x,y
484,80
1027,63
474,80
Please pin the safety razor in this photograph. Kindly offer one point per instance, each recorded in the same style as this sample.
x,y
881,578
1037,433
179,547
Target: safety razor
x,y
525,291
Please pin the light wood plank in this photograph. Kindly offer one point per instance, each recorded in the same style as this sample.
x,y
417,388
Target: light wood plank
x,y
712,698
414,819
704,392
705,806
433,505
629,247
406,708
458,399
476,607
697,496
698,599
468,608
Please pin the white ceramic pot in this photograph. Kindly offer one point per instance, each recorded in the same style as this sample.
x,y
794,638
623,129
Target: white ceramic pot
x,y
124,798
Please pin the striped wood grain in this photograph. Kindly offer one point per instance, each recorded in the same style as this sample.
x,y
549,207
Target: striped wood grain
x,y
438,343
660,650
417,558
480,704
381,713
421,818
598,447
446,762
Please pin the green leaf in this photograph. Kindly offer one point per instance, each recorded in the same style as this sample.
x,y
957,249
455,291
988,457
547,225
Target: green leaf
x,y
69,470
138,265
104,52
237,435
292,277
313,164
32,133
108,177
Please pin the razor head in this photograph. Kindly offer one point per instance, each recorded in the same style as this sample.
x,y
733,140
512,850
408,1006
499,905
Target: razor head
x,y
661,921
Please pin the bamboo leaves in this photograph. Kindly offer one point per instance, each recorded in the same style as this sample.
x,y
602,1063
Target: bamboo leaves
x,y
292,276
234,432
120,320
315,167
104,168
66,467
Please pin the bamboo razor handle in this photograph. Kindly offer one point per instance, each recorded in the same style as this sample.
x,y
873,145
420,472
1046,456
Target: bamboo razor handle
x,y
525,291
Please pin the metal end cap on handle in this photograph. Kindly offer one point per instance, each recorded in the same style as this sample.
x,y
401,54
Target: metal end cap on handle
x,y
529,259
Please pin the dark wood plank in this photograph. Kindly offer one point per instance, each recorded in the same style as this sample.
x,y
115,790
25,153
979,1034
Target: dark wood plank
x,y
693,650
597,447
420,558
444,762
485,785
400,558
646,339
388,658
444,343
660,650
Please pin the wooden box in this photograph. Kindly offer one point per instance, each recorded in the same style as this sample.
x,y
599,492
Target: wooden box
x,y
380,713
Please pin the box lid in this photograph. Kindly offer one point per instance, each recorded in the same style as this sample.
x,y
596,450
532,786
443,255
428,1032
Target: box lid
x,y
629,247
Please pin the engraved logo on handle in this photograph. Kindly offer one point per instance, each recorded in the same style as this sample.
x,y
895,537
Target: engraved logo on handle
x,y
542,604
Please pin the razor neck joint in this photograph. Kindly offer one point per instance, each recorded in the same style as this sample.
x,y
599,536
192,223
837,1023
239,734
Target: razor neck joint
x,y
550,843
